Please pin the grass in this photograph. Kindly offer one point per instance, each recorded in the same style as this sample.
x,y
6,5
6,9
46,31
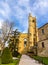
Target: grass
x,y
43,60
15,62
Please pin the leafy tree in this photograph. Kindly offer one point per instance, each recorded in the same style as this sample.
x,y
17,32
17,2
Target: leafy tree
x,y
13,46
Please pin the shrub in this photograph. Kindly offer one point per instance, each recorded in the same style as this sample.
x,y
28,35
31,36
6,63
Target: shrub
x,y
6,56
15,54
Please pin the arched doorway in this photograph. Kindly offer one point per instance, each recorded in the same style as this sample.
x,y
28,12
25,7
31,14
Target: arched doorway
x,y
25,46
25,42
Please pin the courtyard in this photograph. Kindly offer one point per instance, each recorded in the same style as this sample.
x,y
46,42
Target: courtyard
x,y
27,60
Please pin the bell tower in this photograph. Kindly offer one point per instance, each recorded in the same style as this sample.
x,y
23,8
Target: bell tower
x,y
31,30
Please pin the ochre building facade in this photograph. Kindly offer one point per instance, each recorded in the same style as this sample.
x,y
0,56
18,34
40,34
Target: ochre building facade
x,y
35,38
28,40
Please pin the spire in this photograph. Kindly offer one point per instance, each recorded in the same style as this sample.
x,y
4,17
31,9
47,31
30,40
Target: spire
x,y
30,15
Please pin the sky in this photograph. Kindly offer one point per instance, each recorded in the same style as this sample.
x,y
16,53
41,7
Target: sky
x,y
18,12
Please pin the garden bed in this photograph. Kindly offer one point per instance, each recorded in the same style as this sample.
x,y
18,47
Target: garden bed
x,y
43,60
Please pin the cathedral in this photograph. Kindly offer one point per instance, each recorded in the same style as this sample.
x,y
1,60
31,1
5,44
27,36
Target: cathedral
x,y
27,40
34,41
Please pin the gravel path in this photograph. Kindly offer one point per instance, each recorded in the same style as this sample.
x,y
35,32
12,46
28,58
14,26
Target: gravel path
x,y
26,60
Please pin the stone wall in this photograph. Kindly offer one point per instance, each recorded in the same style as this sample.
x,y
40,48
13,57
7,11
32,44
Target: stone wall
x,y
43,41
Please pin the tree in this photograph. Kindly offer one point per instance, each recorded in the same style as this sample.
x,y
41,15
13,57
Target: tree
x,y
7,27
1,46
14,44
6,56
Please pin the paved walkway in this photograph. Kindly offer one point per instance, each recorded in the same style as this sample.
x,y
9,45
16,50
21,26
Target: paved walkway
x,y
26,60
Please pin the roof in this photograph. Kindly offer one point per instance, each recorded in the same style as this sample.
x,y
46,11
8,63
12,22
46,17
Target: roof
x,y
43,26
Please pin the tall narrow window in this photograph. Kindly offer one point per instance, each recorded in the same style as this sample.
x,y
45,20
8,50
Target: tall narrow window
x,y
25,42
42,31
34,40
43,44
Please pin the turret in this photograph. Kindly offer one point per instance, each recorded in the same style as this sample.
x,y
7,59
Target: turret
x,y
32,30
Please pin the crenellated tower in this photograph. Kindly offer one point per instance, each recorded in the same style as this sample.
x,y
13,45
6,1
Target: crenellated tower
x,y
32,38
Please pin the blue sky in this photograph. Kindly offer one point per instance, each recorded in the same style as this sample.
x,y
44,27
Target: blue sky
x,y
18,11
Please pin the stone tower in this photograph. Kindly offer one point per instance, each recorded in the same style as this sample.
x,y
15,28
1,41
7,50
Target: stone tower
x,y
32,37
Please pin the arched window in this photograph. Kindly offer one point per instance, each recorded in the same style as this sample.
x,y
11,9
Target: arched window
x,y
42,31
32,20
25,42
43,44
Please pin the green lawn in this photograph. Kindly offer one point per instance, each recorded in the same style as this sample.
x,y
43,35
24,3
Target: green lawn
x,y
8,64
43,60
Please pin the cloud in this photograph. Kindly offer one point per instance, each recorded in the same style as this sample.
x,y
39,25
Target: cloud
x,y
20,9
4,10
40,6
1,21
40,9
23,9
